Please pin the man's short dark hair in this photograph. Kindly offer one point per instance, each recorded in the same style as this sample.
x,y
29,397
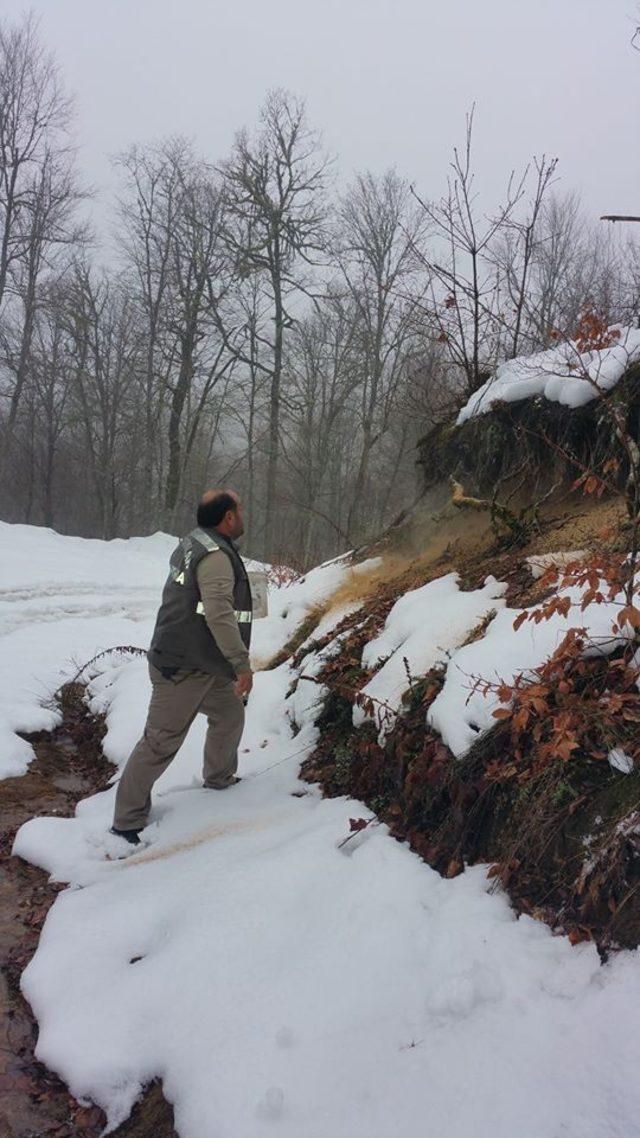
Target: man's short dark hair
x,y
211,512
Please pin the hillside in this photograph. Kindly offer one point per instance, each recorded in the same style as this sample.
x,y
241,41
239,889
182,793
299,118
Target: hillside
x,y
421,700
273,955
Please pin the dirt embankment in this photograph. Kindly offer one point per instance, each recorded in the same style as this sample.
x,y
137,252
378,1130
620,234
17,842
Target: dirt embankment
x,y
563,835
33,1102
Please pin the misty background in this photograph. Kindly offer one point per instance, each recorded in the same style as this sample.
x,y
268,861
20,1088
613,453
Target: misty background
x,y
174,314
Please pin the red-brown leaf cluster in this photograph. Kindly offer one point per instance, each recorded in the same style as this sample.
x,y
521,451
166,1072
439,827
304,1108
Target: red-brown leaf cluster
x,y
593,333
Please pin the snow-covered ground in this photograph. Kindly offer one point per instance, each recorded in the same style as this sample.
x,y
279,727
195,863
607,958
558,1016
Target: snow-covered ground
x,y
278,982
65,599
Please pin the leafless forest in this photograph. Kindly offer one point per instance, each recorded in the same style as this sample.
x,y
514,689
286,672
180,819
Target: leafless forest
x,y
254,321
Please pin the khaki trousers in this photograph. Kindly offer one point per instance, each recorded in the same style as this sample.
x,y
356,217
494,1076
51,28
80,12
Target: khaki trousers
x,y
173,708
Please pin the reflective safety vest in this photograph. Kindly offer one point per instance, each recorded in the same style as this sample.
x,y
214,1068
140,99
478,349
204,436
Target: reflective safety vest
x,y
181,638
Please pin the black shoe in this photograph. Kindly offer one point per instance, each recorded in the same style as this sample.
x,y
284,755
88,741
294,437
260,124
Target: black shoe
x,y
130,836
224,786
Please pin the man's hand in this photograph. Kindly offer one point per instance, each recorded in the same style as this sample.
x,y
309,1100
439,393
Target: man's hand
x,y
243,684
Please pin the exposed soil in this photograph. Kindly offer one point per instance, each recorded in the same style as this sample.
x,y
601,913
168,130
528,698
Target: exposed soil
x,y
533,439
69,766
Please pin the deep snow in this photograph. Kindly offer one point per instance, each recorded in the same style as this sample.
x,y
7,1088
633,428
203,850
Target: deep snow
x,y
280,983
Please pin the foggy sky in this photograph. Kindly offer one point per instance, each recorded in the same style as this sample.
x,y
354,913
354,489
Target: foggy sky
x,y
387,82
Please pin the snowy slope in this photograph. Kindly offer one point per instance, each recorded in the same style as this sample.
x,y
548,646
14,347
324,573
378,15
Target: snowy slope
x,y
464,710
422,629
289,606
280,983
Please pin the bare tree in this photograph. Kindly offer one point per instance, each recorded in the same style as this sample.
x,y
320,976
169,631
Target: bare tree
x,y
106,364
574,267
38,197
34,119
51,371
464,284
246,316
195,260
380,249
147,214
274,186
515,248
171,247
323,375
47,229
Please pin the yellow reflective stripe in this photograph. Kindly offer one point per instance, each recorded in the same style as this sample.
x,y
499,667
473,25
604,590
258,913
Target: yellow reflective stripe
x,y
203,537
242,617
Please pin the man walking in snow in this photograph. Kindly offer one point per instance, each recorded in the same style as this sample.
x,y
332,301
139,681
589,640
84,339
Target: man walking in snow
x,y
198,661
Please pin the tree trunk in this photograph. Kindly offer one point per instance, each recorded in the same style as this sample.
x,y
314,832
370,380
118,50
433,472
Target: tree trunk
x,y
47,481
178,398
269,550
23,361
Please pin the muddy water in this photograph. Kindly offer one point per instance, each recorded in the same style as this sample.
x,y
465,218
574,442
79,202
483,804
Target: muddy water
x,y
33,1102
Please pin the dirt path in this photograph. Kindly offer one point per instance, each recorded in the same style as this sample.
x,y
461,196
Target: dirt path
x,y
69,766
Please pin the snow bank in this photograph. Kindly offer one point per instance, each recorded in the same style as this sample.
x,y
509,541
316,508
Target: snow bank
x,y
562,374
462,712
38,558
422,629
